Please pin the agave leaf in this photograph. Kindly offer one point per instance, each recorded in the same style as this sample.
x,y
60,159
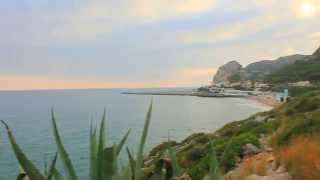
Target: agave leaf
x,y
123,140
66,162
57,175
109,163
45,169
101,147
173,158
125,174
139,161
132,162
29,168
21,176
214,164
93,154
174,161
52,167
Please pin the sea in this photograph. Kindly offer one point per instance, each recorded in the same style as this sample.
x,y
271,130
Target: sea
x,y
28,115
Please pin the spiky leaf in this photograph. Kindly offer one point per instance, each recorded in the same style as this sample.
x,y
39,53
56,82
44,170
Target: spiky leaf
x,y
139,161
123,140
57,175
132,162
66,162
174,161
214,164
93,154
52,167
109,163
101,145
29,168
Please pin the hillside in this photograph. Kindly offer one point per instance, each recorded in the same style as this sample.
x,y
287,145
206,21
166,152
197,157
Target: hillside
x,y
258,69
299,71
269,69
233,71
287,129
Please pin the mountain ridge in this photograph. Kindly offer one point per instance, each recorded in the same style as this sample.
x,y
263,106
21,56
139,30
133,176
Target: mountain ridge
x,y
227,73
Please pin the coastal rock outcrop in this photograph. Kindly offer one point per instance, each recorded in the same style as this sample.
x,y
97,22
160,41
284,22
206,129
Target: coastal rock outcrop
x,y
317,52
226,71
234,71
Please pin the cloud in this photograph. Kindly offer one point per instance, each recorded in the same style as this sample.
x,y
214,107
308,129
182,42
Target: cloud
x,y
99,17
226,32
151,10
140,43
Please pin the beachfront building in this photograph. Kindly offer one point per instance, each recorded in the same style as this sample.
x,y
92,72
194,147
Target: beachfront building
x,y
301,84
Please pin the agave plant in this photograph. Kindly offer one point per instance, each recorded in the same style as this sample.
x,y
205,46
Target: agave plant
x,y
104,159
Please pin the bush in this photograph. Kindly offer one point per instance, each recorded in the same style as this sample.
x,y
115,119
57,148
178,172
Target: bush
x,y
302,157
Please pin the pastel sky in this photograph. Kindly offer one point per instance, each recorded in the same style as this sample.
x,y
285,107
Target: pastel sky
x,y
68,44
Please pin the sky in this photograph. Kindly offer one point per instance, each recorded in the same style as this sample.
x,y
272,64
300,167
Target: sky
x,y
145,43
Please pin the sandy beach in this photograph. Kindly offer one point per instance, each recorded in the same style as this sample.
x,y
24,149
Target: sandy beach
x,y
266,100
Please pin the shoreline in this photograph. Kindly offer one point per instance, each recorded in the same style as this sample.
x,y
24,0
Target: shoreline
x,y
265,100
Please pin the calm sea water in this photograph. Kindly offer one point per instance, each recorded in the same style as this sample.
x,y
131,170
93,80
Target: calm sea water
x,y
28,115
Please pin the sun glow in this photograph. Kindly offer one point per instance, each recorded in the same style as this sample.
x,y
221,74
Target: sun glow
x,y
305,9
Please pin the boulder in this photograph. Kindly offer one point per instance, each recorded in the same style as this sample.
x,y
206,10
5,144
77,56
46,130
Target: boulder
x,y
250,149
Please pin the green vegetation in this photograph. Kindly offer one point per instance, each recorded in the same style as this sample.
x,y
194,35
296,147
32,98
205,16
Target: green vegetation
x,y
298,91
299,116
235,78
301,70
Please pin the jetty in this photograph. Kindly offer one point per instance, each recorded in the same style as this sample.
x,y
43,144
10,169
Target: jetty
x,y
189,93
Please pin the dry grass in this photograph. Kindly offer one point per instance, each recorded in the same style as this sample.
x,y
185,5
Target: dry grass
x,y
302,158
257,164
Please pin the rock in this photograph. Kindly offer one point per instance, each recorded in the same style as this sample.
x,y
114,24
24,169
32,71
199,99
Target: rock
x,y
257,177
251,71
281,169
265,146
226,71
250,149
283,176
317,52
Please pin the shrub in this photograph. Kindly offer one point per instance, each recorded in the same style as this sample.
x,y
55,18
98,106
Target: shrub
x,y
257,164
298,125
302,157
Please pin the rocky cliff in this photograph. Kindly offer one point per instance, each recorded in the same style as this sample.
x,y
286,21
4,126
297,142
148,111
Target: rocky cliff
x,y
317,52
254,70
226,71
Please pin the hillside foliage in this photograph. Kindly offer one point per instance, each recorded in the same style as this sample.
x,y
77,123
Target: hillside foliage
x,y
301,70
